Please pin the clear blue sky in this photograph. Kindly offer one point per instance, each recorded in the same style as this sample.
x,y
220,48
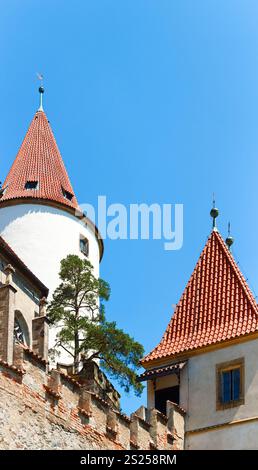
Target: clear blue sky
x,y
150,101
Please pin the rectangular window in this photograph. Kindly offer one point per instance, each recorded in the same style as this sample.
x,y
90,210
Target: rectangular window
x,y
84,245
230,384
31,185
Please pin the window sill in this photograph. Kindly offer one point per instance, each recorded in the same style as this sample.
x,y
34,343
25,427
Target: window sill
x,y
230,404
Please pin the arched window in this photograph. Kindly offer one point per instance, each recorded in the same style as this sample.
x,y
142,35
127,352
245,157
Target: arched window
x,y
20,332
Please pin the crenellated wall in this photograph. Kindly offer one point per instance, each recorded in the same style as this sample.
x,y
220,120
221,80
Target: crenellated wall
x,y
42,410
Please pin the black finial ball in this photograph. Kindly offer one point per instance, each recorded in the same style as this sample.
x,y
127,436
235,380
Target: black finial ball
x,y
214,212
229,241
41,89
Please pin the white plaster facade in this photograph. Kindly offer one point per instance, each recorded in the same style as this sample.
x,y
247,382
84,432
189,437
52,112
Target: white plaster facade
x,y
232,428
42,236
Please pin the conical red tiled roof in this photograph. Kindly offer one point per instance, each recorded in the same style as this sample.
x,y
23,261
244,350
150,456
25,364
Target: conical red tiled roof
x,y
217,305
39,161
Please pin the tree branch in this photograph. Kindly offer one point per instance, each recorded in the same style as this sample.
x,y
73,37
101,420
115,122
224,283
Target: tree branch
x,y
62,346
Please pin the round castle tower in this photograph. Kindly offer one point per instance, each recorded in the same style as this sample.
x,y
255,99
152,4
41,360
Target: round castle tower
x,y
39,214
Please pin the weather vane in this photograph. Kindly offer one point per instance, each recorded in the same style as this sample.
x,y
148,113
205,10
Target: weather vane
x,y
41,90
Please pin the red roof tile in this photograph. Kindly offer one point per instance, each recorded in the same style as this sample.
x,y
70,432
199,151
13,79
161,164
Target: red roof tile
x,y
39,160
216,305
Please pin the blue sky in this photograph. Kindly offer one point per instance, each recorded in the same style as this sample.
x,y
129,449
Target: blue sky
x,y
150,101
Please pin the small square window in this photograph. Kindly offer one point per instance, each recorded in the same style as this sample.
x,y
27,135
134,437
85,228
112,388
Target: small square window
x,y
31,185
84,245
230,384
67,194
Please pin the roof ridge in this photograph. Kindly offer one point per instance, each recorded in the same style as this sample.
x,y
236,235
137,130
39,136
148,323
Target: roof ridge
x,y
237,271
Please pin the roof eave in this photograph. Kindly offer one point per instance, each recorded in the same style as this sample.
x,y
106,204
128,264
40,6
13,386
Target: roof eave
x,y
181,356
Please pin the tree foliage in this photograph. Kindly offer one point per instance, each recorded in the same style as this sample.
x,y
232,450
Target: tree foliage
x,y
77,309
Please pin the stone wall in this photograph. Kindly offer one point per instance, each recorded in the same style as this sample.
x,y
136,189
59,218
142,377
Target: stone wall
x,y
97,382
49,410
7,294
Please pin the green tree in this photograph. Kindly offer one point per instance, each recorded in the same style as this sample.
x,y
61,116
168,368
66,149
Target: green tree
x,y
77,309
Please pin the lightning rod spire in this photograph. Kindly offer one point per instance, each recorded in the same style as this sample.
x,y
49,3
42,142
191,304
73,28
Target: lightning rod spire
x,y
41,91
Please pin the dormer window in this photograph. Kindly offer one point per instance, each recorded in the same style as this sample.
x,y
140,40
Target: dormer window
x,y
67,194
2,190
31,185
84,245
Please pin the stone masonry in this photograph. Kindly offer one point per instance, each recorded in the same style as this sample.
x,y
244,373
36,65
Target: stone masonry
x,y
50,410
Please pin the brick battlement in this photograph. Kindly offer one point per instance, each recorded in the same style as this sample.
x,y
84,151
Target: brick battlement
x,y
49,410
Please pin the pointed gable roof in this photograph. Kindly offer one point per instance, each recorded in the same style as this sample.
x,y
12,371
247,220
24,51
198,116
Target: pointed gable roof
x,y
39,161
217,305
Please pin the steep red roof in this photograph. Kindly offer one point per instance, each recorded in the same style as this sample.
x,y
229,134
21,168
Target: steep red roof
x,y
39,160
216,305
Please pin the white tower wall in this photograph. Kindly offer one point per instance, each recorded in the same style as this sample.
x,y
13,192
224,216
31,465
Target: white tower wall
x,y
41,236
